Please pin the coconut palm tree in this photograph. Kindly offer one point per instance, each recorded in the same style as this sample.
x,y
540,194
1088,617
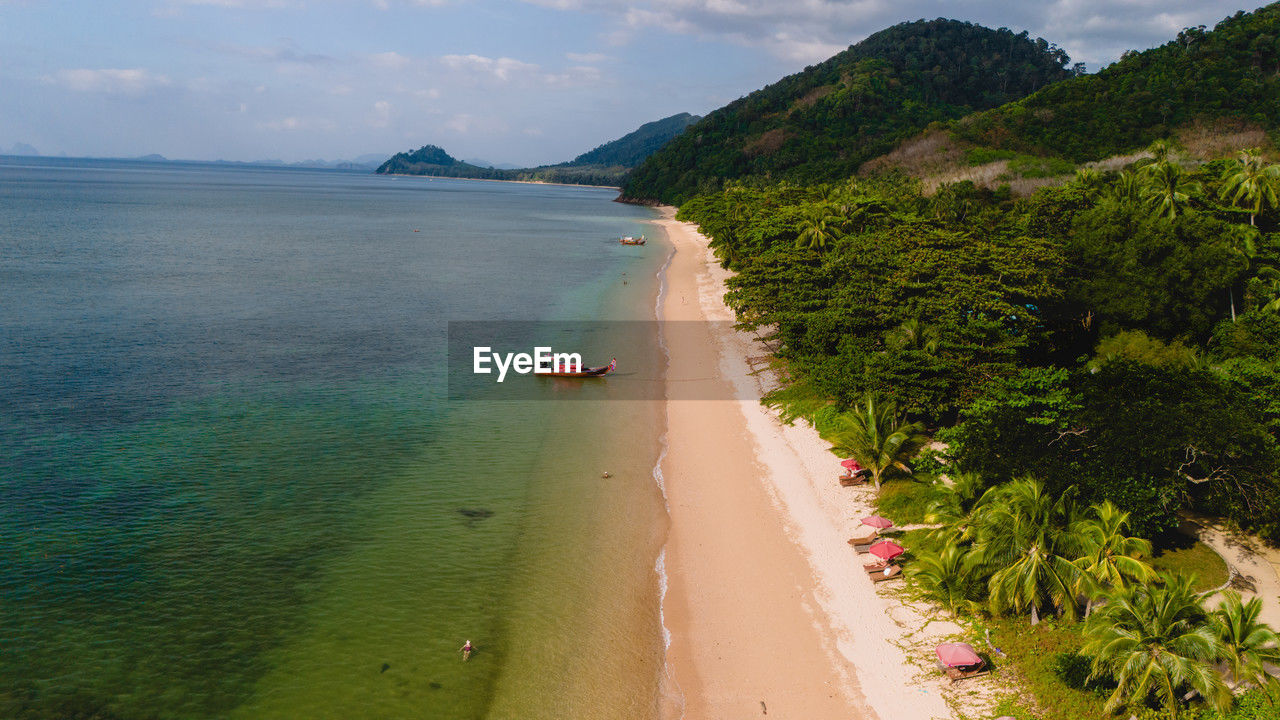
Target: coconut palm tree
x,y
1160,150
1242,241
873,434
914,335
1022,536
953,508
1251,184
1110,559
947,577
1126,190
1246,643
1155,639
1269,283
1167,189
818,227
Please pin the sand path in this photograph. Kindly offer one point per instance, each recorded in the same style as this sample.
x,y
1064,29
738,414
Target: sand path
x,y
1253,567
769,610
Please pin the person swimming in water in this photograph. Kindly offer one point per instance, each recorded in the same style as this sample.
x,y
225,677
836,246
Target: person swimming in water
x,y
466,650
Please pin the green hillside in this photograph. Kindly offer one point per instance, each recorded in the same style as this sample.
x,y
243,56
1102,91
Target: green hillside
x,y
822,123
607,164
631,149
1231,71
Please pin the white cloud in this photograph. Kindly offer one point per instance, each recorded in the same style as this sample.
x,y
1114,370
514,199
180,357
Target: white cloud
x,y
484,127
174,8
576,75
292,123
286,53
586,58
461,123
381,116
390,60
115,81
386,4
811,30
503,68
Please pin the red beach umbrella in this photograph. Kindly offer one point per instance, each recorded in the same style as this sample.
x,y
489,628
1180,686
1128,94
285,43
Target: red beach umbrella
x,y
878,522
957,655
851,464
886,550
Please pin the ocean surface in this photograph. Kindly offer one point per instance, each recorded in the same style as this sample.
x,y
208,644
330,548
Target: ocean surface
x,y
232,484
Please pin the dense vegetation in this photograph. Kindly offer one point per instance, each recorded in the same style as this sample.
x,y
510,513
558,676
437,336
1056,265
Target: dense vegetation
x,y
631,149
1228,72
1118,333
1100,357
607,164
822,123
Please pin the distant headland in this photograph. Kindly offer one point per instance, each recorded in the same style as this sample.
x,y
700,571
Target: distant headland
x,y
607,164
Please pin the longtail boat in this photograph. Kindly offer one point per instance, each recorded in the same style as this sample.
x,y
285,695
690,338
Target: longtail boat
x,y
583,373
628,240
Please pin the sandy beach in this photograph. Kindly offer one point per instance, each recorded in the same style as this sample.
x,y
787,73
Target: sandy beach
x,y
769,610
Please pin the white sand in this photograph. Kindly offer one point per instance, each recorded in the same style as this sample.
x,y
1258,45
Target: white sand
x,y
767,603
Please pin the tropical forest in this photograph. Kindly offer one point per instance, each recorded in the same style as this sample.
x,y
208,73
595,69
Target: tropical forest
x,y
1042,307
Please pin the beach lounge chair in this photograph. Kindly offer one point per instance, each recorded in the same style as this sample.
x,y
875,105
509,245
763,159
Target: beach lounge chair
x,y
961,673
890,573
862,542
959,661
850,481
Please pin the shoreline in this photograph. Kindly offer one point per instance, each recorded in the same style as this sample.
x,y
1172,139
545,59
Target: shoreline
x,y
767,610
517,182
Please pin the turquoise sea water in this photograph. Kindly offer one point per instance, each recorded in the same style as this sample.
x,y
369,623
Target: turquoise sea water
x,y
231,484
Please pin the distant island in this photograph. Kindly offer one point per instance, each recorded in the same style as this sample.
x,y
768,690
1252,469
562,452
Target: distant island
x,y
607,164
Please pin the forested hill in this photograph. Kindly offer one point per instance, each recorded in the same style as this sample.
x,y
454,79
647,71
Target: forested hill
x,y
607,164
631,149
822,123
1232,71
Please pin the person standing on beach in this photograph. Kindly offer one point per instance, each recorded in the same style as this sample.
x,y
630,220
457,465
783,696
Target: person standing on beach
x,y
466,651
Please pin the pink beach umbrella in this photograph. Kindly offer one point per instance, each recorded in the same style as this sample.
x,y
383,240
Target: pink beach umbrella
x,y
886,550
957,655
851,464
877,522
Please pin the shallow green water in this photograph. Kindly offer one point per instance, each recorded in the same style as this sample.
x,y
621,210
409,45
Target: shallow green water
x,y
230,484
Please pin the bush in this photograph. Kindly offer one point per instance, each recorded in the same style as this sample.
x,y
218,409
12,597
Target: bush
x,y
982,155
906,502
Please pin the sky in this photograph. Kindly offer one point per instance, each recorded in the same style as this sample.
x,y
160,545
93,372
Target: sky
x,y
524,82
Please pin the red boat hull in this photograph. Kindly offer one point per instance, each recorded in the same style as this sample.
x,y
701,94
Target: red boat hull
x,y
584,373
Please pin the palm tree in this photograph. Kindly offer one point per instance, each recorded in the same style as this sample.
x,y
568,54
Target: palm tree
x,y
1110,559
1253,183
953,508
1090,180
1155,638
948,578
818,227
874,435
1168,190
1022,534
1160,150
914,335
1127,190
1269,280
1243,243
1246,643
